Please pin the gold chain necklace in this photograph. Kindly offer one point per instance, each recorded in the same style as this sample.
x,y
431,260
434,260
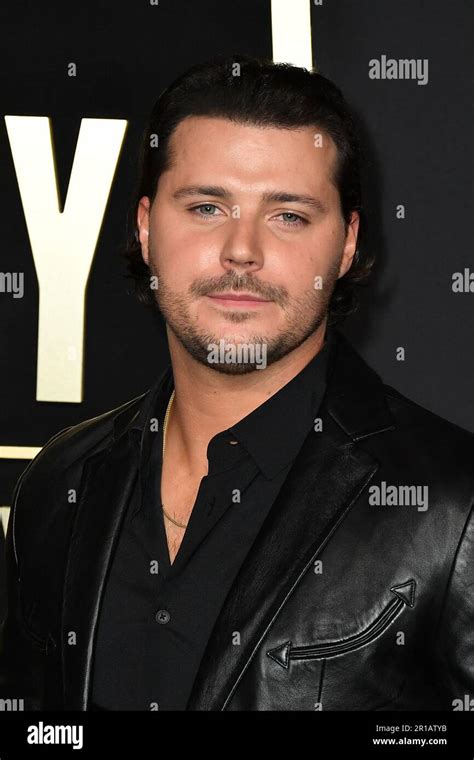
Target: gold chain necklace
x,y
165,425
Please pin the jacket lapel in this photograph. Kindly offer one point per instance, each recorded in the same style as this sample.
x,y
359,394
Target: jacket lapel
x,y
326,479
106,487
315,497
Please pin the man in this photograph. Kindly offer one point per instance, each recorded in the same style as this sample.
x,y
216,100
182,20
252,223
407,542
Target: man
x,y
270,527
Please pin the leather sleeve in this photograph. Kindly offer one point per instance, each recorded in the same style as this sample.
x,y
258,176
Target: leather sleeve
x,y
455,637
21,659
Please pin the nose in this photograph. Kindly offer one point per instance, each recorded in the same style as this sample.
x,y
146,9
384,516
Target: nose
x,y
242,248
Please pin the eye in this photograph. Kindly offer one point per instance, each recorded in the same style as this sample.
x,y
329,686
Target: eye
x,y
208,206
296,220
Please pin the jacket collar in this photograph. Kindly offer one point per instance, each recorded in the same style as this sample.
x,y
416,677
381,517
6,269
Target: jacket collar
x,y
354,398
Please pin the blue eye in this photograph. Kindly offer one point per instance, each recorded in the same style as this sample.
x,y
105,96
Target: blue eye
x,y
297,223
204,205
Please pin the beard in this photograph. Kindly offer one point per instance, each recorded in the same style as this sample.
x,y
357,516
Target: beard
x,y
304,315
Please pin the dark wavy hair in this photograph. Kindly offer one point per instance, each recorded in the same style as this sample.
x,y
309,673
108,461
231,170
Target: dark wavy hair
x,y
262,93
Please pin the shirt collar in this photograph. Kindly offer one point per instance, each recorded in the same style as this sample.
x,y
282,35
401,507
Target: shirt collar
x,y
273,433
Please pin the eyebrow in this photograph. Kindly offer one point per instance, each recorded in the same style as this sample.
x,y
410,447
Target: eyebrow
x,y
273,196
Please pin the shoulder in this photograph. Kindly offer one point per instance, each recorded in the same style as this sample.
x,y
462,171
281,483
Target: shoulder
x,y
412,416
393,427
71,445
429,448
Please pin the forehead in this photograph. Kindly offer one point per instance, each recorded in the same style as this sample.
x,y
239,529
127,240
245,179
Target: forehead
x,y
214,147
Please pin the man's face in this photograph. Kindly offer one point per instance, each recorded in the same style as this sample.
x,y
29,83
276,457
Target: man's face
x,y
215,229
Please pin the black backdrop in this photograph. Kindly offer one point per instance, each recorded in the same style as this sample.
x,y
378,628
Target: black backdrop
x,y
418,147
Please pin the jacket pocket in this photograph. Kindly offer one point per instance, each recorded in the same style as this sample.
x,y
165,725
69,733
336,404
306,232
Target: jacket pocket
x,y
405,596
39,642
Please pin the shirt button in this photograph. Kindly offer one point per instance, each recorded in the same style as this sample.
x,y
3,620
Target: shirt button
x,y
162,616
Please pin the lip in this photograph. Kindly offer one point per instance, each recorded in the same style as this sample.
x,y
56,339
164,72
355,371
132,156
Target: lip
x,y
236,299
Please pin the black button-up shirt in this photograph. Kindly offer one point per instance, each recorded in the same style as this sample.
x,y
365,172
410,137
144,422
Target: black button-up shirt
x,y
156,617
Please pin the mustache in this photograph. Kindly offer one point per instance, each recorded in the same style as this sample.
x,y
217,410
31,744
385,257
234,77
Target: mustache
x,y
239,283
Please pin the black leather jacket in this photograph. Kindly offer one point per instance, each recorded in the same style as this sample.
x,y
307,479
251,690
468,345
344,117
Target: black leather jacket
x,y
342,603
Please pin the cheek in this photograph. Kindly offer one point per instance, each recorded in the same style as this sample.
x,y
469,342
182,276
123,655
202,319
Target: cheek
x,y
182,251
297,266
323,250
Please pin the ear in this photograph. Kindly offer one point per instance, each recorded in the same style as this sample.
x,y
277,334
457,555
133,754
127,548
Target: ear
x,y
143,221
350,245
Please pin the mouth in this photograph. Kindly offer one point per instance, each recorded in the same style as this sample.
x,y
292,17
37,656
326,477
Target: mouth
x,y
238,299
